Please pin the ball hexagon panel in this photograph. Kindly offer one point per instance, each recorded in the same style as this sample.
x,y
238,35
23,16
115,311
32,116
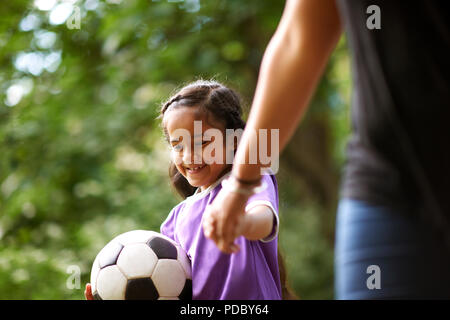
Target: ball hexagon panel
x,y
137,252
169,278
111,283
109,254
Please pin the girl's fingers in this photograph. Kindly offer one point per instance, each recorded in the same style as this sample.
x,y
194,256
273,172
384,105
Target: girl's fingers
x,y
88,292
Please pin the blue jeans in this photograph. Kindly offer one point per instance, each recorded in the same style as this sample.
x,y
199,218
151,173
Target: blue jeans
x,y
382,253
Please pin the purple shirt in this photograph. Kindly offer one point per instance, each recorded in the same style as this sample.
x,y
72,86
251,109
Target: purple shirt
x,y
252,273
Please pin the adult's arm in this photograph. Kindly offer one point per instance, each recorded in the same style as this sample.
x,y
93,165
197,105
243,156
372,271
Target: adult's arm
x,y
290,70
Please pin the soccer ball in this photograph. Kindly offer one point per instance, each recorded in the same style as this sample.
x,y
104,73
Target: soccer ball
x,y
141,265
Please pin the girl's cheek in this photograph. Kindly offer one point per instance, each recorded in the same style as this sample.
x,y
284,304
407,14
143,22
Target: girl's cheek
x,y
176,158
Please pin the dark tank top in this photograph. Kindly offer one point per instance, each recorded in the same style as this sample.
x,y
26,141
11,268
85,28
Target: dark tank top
x,y
399,150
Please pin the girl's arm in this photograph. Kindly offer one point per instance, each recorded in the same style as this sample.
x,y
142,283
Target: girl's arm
x,y
258,223
291,68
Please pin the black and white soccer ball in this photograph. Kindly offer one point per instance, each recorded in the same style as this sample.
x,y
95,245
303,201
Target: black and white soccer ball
x,y
140,265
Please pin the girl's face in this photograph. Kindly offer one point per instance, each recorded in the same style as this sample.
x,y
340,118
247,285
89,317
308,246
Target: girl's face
x,y
190,164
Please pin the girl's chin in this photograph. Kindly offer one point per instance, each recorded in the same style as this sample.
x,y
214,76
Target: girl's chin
x,y
195,182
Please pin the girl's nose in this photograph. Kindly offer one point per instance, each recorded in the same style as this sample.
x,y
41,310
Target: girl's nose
x,y
192,156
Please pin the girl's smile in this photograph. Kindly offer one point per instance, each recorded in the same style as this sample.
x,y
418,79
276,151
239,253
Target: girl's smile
x,y
195,170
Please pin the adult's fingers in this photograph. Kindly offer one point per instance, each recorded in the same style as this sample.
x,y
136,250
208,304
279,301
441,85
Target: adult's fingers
x,y
228,247
208,229
209,224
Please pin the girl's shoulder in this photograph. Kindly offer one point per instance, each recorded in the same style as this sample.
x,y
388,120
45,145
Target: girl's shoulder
x,y
168,226
179,207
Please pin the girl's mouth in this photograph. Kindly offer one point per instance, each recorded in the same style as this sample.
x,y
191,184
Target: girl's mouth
x,y
194,170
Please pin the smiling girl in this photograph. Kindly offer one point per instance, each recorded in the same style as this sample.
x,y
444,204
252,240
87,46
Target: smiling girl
x,y
252,271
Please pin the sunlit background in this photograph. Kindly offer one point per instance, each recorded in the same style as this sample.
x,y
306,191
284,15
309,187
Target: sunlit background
x,y
82,157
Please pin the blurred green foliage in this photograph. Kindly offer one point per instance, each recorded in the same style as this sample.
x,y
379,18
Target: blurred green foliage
x,y
82,157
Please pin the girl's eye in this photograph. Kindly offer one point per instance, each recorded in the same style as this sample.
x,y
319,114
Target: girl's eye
x,y
202,142
177,147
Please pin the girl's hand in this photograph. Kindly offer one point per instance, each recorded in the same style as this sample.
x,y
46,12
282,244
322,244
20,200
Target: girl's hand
x,y
88,292
223,220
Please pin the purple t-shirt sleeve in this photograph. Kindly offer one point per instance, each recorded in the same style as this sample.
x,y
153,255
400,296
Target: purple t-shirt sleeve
x,y
168,226
269,198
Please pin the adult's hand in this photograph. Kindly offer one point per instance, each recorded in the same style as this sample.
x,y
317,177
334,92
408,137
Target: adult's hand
x,y
223,220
